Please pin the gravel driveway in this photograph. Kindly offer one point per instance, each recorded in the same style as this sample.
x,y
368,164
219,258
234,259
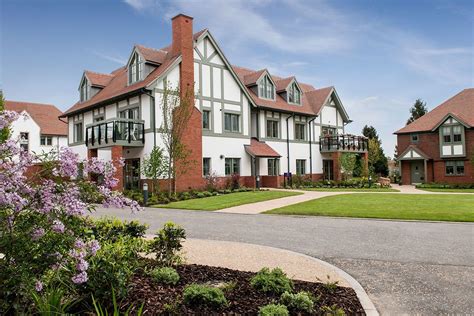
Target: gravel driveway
x,y
405,267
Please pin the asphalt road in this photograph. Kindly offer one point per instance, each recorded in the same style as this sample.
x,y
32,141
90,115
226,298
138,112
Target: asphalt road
x,y
405,267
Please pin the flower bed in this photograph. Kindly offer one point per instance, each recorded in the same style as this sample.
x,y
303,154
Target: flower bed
x,y
242,298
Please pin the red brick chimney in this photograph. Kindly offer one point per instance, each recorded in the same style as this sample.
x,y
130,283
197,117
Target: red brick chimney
x,y
183,45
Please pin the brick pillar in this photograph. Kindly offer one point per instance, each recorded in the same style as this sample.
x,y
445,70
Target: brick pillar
x,y
117,154
337,166
182,28
91,153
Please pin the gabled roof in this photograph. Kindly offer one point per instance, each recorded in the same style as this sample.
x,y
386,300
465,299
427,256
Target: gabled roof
x,y
98,79
318,97
282,84
412,152
260,149
252,78
118,86
156,56
45,115
460,106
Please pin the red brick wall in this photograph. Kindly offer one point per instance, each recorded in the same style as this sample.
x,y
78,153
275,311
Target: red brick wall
x,y
117,154
429,144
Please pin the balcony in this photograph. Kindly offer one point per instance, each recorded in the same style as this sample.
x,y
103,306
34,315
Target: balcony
x,y
122,132
343,143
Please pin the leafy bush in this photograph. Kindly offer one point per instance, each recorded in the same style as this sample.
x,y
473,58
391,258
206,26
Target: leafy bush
x,y
167,244
445,186
331,286
200,195
207,193
185,196
110,228
165,275
274,281
273,310
52,301
235,181
198,294
112,267
101,311
89,192
332,310
212,181
301,301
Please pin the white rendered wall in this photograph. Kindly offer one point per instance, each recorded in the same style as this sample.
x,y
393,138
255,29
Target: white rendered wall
x,y
214,147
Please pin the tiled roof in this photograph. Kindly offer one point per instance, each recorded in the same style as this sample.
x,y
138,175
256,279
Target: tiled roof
x,y
98,79
260,149
312,99
118,83
461,106
156,56
45,115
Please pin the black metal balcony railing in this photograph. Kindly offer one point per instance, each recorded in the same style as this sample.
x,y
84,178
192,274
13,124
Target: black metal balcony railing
x,y
118,131
343,143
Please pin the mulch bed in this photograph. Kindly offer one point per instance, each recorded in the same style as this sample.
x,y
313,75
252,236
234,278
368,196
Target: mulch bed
x,y
243,299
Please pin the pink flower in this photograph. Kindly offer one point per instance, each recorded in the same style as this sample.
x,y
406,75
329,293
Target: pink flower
x,y
38,286
37,233
58,226
93,246
82,265
80,278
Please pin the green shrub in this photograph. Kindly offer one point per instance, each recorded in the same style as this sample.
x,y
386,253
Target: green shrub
x,y
207,193
110,228
101,311
200,195
273,310
113,266
274,281
301,301
167,244
197,294
165,275
185,196
52,301
331,286
332,310
89,192
227,191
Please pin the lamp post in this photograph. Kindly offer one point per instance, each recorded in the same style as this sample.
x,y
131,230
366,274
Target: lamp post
x,y
145,193
258,182
370,181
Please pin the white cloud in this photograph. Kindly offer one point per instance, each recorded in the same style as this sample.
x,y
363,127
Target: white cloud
x,y
113,58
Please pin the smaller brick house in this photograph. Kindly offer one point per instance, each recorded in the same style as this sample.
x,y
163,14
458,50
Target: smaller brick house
x,y
439,146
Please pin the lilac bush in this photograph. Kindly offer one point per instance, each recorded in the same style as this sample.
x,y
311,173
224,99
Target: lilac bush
x,y
43,217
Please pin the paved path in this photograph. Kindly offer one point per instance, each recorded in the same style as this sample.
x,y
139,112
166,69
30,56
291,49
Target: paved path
x,y
261,207
405,267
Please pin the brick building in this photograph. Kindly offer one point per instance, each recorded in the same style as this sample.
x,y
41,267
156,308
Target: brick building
x,y
439,146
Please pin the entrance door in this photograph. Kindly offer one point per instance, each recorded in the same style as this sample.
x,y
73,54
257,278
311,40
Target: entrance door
x,y
417,171
328,169
132,174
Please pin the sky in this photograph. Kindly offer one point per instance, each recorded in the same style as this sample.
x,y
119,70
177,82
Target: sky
x,y
381,55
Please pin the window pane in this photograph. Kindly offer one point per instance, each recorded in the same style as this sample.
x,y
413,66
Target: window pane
x,y
227,166
235,123
206,166
227,122
205,119
460,168
447,138
236,166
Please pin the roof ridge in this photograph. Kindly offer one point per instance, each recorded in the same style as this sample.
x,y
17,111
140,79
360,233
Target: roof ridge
x,y
152,48
28,102
99,73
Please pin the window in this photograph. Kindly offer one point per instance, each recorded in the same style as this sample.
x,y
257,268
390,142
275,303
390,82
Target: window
x,y
300,166
84,90
414,138
24,141
273,167
294,94
132,114
454,168
206,166
231,122
300,131
272,129
328,131
446,134
206,124
232,166
266,89
78,132
46,140
135,69
457,132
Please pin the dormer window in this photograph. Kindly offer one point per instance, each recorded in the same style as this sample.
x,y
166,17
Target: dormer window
x,y
85,90
266,89
135,69
294,94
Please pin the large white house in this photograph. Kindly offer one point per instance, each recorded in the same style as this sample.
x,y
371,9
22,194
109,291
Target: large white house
x,y
245,121
38,128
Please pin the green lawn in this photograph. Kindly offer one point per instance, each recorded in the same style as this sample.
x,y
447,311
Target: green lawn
x,y
448,190
436,207
228,200
351,190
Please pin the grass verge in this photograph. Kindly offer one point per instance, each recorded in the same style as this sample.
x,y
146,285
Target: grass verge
x,y
447,190
351,190
227,200
435,207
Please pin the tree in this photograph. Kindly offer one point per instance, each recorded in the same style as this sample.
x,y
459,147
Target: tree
x,y
176,112
417,110
155,166
348,163
4,131
378,163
